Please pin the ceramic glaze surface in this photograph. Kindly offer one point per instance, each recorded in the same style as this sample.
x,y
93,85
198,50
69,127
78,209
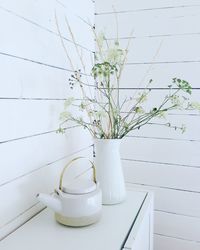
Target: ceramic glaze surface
x,y
109,170
71,205
80,205
78,221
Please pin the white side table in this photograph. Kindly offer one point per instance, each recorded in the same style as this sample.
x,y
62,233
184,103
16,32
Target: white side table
x,y
128,225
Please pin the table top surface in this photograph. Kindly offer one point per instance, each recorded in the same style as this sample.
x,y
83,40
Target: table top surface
x,y
43,232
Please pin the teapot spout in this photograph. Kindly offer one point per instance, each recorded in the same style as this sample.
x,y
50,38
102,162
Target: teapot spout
x,y
50,201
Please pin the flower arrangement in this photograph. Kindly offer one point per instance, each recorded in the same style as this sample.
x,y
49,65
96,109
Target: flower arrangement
x,y
103,112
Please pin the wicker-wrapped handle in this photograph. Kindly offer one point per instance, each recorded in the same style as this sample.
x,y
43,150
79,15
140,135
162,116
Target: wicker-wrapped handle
x,y
69,163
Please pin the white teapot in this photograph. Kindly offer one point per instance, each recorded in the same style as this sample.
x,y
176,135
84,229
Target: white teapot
x,y
78,204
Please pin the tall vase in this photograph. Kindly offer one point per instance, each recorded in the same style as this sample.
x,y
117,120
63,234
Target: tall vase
x,y
109,170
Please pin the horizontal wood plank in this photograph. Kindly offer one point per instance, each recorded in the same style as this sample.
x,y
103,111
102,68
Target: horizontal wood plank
x,y
34,44
161,22
129,5
31,80
166,151
173,201
42,149
34,16
162,132
160,50
169,176
138,76
25,118
178,226
165,243
154,98
20,220
24,79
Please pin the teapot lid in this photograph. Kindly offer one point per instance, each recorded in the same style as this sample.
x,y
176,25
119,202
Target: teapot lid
x,y
80,186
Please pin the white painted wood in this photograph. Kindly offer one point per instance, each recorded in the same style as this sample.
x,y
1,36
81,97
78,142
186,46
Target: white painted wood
x,y
38,116
161,74
34,44
178,177
33,82
20,195
174,201
161,151
74,11
36,232
159,49
20,220
143,238
42,149
192,123
177,226
31,79
166,243
141,235
127,5
162,159
34,114
44,81
148,23
155,98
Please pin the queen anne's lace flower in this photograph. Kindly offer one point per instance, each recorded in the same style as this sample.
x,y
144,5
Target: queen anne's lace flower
x,y
106,113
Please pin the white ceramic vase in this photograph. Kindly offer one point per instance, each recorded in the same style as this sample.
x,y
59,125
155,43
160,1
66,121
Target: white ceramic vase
x,y
109,170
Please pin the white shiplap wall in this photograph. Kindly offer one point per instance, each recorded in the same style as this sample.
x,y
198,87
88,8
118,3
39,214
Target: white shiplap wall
x,y
156,157
34,76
